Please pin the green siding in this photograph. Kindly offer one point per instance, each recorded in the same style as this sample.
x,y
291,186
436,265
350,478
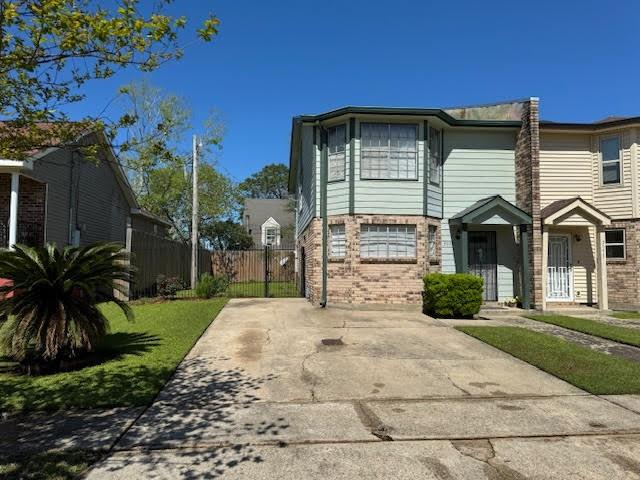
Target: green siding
x,y
478,164
307,200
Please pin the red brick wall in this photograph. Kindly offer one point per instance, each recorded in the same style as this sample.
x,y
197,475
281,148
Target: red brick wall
x,y
357,281
527,156
623,276
31,204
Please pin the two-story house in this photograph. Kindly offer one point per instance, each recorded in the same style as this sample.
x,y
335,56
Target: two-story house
x,y
269,221
545,211
387,194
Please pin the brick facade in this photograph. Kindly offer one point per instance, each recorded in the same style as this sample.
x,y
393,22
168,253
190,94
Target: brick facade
x,y
527,156
354,280
623,276
31,209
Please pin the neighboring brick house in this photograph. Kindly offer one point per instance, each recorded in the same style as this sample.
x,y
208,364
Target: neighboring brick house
x,y
58,196
269,221
482,189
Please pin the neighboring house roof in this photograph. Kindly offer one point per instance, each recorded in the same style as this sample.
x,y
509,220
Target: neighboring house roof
x,y
484,205
260,210
561,207
608,122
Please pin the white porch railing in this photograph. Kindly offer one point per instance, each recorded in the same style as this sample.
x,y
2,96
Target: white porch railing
x,y
559,283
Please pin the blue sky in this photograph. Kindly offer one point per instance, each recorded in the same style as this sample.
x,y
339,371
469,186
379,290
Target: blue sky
x,y
273,60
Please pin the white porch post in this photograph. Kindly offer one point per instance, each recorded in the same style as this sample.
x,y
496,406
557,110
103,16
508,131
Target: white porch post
x,y
13,210
545,259
603,294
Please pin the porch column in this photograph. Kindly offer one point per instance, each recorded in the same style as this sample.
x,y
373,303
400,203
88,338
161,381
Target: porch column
x,y
464,245
13,210
545,260
603,294
524,244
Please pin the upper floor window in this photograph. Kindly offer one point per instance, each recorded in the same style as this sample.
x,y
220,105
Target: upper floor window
x,y
610,154
433,239
435,155
271,236
337,138
388,241
614,242
388,151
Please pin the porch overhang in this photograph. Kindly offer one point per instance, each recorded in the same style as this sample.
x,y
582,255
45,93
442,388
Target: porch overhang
x,y
557,212
15,166
492,210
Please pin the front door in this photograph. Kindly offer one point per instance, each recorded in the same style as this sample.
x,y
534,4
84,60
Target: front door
x,y
559,272
483,262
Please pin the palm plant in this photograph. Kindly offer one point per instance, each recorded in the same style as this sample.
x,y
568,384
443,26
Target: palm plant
x,y
52,302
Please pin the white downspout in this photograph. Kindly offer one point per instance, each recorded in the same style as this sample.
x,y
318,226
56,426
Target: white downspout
x,y
13,210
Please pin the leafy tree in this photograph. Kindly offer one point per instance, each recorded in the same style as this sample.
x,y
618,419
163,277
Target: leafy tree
x,y
270,182
227,235
50,48
159,164
52,300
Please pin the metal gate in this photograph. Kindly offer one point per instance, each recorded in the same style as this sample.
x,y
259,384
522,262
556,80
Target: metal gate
x,y
483,262
258,272
559,271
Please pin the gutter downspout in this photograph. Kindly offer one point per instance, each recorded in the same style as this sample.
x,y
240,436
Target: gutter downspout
x,y
323,210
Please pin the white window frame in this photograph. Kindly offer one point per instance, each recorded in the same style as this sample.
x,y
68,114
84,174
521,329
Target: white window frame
x,y
382,236
432,241
337,240
622,244
389,150
435,157
337,152
270,225
604,162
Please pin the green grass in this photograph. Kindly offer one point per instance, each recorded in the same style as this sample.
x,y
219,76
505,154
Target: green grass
x,y
590,370
50,465
625,335
626,315
277,289
137,359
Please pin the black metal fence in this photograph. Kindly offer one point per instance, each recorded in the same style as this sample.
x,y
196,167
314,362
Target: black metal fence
x,y
29,233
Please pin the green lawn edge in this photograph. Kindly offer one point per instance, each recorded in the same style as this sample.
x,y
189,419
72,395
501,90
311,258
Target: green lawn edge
x,y
628,336
51,465
595,372
143,356
625,315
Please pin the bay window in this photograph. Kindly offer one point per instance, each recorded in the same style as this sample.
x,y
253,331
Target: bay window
x,y
388,241
337,137
388,151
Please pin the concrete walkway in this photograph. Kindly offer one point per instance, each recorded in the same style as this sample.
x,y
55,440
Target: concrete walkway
x,y
280,389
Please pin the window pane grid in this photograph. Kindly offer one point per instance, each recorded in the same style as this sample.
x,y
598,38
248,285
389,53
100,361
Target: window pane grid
x,y
388,241
338,241
389,151
337,137
434,155
610,153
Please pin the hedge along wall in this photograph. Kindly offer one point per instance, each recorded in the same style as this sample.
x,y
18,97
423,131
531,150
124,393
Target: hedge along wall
x,y
452,295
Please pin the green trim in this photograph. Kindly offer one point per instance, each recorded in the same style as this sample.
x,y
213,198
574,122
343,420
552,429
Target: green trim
x,y
524,243
497,201
425,168
324,159
352,165
464,252
435,112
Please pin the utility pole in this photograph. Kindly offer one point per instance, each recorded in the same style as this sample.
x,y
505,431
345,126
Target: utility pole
x,y
194,216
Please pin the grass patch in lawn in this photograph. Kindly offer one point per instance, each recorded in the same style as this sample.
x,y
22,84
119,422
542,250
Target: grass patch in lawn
x,y
65,465
625,335
626,315
590,370
138,358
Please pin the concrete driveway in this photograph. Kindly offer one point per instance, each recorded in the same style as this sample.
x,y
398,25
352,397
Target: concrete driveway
x,y
280,389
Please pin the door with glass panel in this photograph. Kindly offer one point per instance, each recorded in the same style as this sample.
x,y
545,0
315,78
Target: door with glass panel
x,y
559,271
483,262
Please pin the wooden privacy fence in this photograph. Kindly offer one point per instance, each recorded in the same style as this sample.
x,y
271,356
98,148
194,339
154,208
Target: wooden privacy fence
x,y
153,256
255,265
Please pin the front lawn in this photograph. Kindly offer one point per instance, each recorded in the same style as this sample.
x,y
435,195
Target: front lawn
x,y
590,370
48,465
626,315
277,289
136,358
629,336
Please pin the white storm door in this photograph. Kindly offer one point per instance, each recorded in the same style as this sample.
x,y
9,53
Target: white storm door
x,y
559,272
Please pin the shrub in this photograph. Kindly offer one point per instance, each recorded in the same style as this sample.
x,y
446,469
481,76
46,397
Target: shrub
x,y
52,296
169,286
209,286
452,295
